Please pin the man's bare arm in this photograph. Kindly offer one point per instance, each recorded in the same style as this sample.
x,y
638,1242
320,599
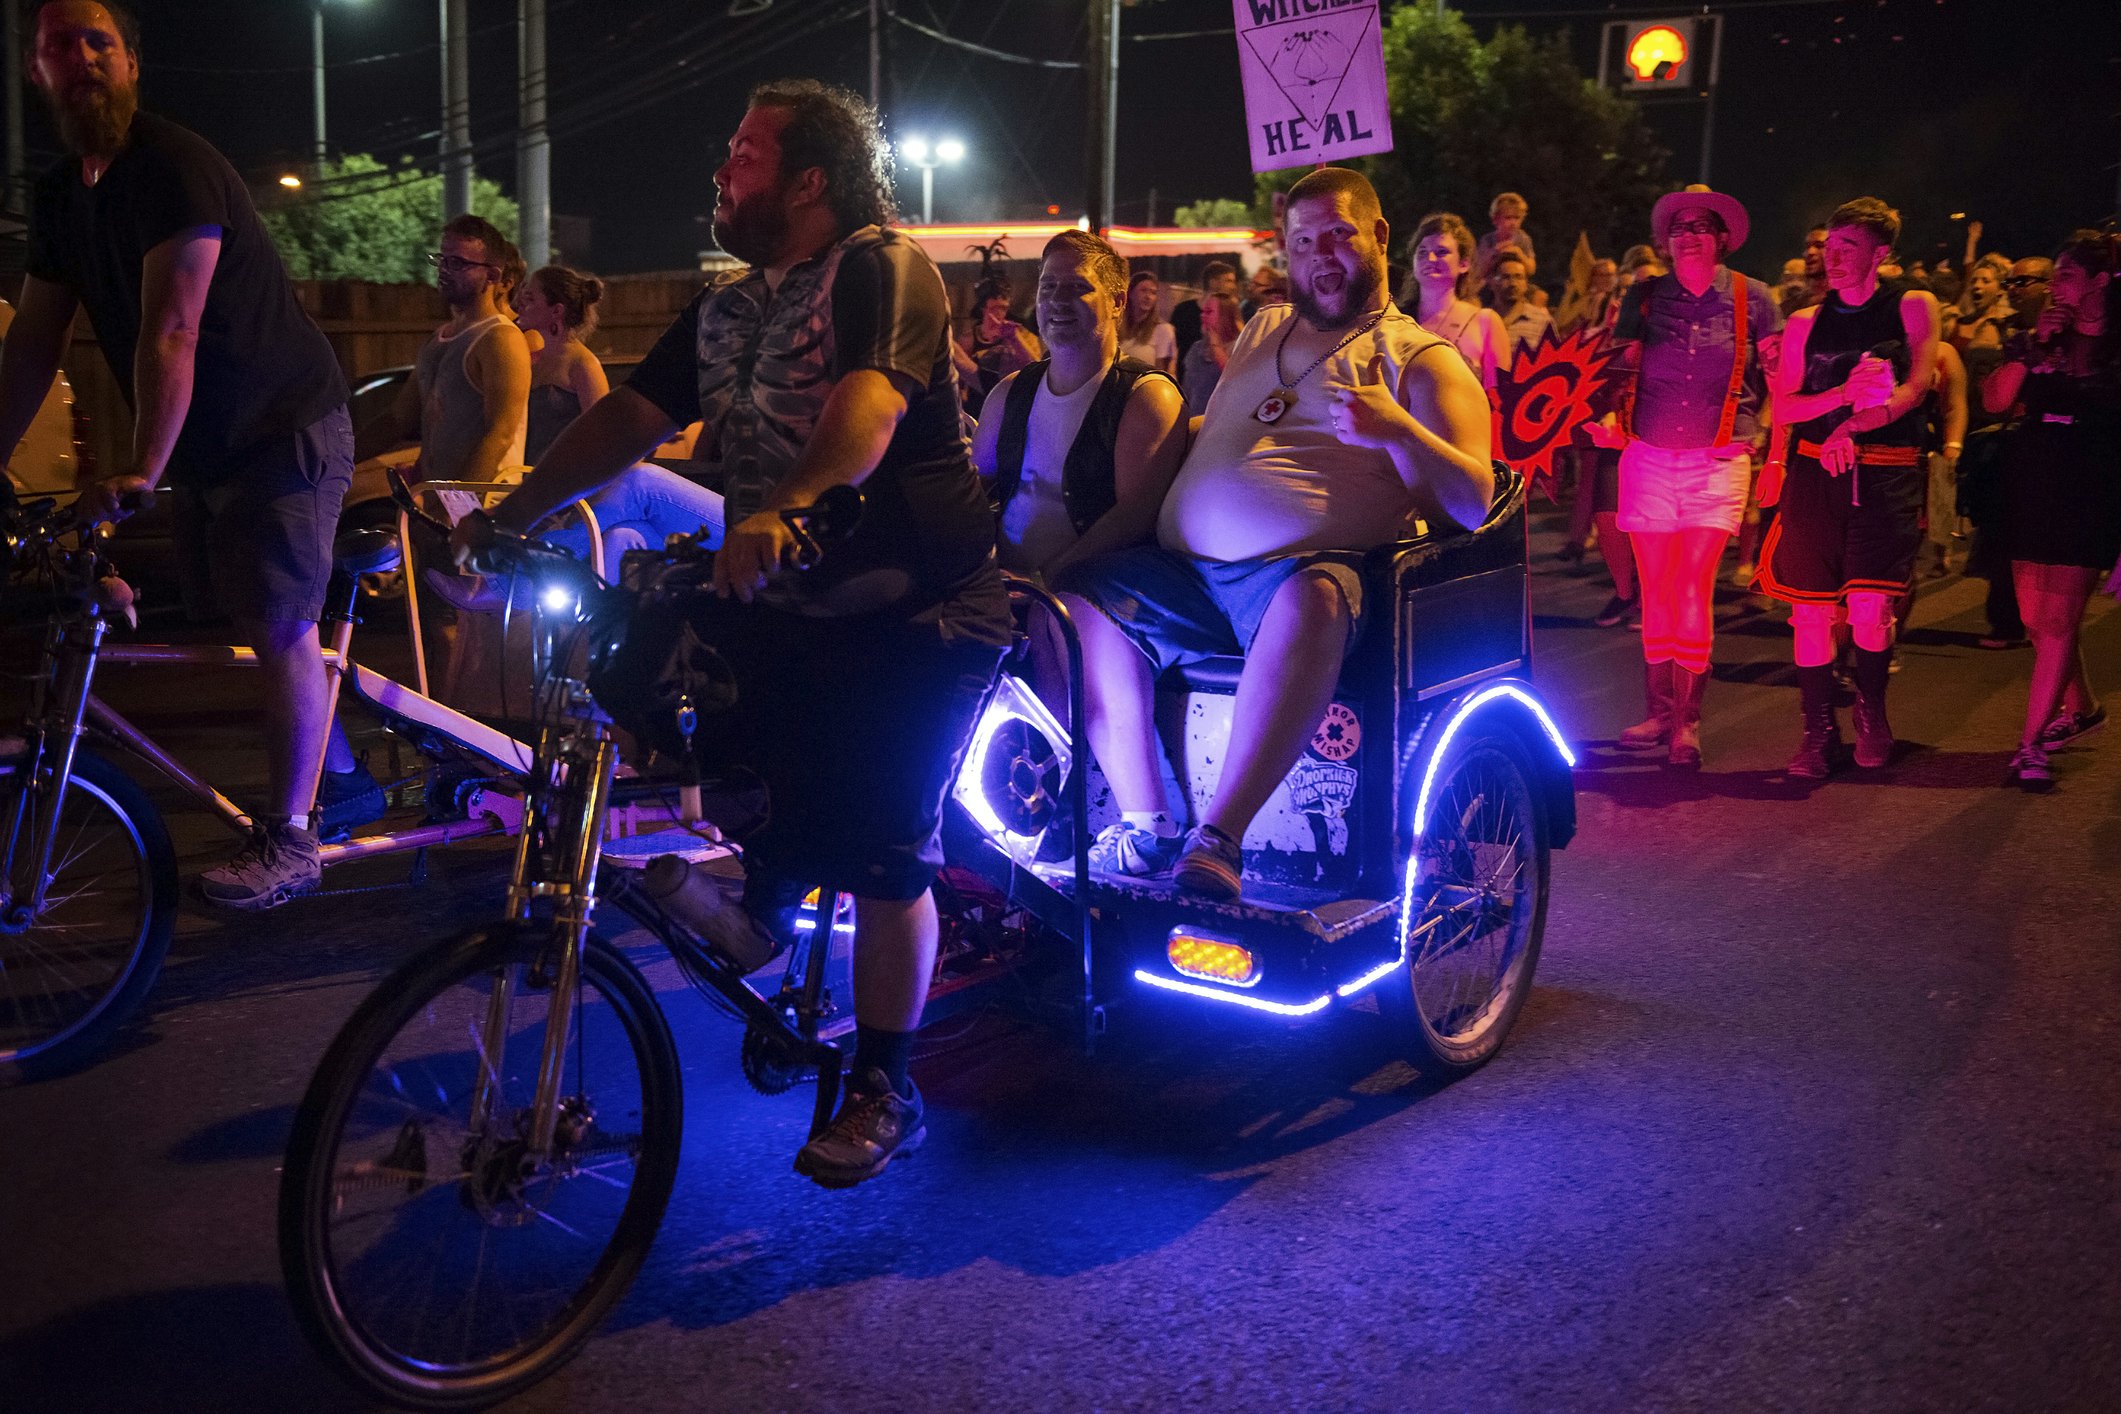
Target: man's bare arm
x,y
35,347
173,282
1920,320
1448,462
499,366
617,431
853,431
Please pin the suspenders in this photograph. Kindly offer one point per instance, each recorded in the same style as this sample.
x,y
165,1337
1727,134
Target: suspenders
x,y
1740,350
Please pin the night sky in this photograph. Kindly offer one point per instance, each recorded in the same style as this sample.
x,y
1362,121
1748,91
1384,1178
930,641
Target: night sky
x,y
2010,112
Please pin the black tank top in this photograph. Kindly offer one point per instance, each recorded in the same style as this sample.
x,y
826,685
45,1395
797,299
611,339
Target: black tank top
x,y
1842,334
1089,481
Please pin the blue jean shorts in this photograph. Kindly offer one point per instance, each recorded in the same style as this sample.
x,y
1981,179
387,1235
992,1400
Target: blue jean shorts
x,y
1179,610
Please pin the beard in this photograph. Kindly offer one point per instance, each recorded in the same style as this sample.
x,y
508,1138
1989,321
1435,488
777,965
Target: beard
x,y
756,231
1355,297
93,119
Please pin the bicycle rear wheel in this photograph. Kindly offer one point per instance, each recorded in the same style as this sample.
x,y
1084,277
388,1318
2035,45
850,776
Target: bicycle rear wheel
x,y
429,1258
1475,909
73,970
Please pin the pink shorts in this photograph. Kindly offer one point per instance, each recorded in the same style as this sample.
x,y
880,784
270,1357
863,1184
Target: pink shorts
x,y
1662,490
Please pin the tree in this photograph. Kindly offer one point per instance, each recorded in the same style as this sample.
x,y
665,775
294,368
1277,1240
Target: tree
x,y
1471,119
1216,212
361,220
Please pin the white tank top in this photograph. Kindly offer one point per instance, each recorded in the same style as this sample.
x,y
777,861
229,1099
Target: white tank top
x,y
1035,524
1249,489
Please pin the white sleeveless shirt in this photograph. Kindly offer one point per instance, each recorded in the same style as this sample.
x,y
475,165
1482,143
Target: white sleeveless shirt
x,y
1250,489
1036,526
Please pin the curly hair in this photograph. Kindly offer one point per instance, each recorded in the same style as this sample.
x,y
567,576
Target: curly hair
x,y
832,129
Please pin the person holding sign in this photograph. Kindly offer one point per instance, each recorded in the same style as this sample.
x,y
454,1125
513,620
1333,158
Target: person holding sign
x,y
1337,420
1686,430
1850,386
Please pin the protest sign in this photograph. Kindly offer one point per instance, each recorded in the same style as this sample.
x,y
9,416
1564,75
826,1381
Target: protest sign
x,y
1314,75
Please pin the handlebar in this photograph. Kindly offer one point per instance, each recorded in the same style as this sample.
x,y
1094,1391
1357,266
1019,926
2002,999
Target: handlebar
x,y
830,518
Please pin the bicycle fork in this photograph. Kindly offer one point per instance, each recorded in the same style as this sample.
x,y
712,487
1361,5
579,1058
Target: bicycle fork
x,y
50,758
577,846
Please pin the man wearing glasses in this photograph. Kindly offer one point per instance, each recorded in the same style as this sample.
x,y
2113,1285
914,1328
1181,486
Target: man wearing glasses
x,y
238,402
469,395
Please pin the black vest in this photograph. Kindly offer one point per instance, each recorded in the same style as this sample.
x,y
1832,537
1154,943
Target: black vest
x,y
1088,483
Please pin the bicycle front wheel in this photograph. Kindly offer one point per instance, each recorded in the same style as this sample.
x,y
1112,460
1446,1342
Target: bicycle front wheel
x,y
431,1254
75,964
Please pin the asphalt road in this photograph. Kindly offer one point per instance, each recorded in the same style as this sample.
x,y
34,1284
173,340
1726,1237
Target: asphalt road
x,y
1817,1106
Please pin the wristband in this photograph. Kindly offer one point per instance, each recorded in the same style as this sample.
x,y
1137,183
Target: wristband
x,y
1954,446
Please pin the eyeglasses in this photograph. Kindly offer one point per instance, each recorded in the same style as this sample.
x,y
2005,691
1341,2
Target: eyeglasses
x,y
1701,227
451,264
2019,282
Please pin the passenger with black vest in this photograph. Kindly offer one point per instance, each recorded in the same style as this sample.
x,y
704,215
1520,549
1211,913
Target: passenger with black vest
x,y
1079,448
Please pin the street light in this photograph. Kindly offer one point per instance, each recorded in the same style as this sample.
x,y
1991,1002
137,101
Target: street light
x,y
291,181
927,157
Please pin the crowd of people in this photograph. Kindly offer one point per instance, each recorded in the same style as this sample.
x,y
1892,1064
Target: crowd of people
x,y
1198,485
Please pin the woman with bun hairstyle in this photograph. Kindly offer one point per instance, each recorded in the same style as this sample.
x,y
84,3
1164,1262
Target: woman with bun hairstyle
x,y
646,504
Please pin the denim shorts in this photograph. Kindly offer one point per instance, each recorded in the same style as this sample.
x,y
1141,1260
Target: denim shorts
x,y
1178,609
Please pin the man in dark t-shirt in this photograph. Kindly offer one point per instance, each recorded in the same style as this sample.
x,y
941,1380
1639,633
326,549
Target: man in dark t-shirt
x,y
824,363
238,402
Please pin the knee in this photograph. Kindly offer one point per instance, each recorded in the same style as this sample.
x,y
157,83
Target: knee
x,y
276,642
1315,600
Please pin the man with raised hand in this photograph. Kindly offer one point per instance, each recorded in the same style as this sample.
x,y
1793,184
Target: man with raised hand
x,y
1338,420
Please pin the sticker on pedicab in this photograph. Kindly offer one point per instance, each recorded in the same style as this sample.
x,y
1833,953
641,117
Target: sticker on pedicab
x,y
1338,735
1321,791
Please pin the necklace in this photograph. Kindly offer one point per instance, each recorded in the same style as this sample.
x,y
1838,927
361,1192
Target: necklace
x,y
1284,395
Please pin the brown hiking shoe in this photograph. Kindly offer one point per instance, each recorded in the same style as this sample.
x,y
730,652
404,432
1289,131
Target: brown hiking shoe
x,y
279,862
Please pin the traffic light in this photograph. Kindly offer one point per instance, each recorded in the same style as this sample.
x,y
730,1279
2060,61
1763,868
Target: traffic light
x,y
1657,55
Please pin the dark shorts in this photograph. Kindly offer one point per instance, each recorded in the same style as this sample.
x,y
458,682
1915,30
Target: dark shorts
x,y
256,542
1178,610
855,727
1825,545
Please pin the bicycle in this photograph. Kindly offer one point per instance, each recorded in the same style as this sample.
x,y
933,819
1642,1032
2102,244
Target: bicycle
x,y
521,1077
88,876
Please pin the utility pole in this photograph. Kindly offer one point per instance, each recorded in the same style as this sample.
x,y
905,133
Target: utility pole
x,y
1708,109
12,188
456,109
316,59
876,54
533,145
1102,70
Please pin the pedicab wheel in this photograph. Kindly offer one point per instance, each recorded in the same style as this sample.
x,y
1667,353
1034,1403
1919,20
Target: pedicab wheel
x,y
430,1257
1474,906
75,969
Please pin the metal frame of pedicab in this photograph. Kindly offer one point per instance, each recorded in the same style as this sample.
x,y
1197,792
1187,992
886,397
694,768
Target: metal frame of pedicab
x,y
488,814
1455,646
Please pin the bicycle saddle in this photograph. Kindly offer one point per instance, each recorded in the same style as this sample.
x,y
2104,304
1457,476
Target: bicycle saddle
x,y
372,551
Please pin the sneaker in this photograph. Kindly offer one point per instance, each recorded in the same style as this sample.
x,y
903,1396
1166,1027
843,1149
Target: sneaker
x,y
347,799
874,1126
1892,664
1211,864
2030,772
1616,609
1996,644
1132,852
279,862
2068,726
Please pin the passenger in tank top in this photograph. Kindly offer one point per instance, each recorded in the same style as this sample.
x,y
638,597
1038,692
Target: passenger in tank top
x,y
1336,423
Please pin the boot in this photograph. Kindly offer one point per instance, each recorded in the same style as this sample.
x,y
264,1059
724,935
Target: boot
x,y
1687,687
1817,754
1874,735
1655,729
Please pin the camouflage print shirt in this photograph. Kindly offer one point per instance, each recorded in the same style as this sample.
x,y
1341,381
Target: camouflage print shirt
x,y
756,366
